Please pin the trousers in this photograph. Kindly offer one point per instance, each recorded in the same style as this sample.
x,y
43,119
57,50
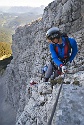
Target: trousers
x,y
52,71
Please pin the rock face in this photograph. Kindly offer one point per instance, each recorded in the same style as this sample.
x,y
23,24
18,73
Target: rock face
x,y
30,52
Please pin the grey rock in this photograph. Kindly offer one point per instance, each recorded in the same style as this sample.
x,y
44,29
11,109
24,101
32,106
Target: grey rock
x,y
30,52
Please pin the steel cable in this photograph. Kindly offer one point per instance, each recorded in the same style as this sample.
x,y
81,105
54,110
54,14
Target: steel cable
x,y
55,105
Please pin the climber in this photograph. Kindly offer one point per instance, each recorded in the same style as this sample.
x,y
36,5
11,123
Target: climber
x,y
63,51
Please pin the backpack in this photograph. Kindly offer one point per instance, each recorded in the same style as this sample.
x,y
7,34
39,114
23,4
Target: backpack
x,y
66,49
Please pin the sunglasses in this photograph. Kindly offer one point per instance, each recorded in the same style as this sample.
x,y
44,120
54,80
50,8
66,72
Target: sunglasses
x,y
53,36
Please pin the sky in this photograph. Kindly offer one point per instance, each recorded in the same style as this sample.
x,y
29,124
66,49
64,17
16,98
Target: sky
x,y
33,3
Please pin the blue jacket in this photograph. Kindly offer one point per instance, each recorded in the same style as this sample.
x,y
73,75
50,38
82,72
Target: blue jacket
x,y
61,51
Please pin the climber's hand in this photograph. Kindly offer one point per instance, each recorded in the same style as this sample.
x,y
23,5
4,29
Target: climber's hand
x,y
64,69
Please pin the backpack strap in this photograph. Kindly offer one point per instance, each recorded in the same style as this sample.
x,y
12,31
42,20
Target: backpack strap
x,y
66,48
68,42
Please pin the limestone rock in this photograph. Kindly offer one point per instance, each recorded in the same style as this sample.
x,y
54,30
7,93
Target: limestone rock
x,y
30,51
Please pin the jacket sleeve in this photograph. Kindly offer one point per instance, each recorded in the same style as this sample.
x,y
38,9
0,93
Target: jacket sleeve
x,y
74,49
54,56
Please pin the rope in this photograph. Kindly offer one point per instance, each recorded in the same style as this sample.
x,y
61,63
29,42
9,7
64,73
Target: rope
x,y
55,105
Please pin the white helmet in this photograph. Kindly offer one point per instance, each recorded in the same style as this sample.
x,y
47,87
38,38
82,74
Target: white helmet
x,y
53,33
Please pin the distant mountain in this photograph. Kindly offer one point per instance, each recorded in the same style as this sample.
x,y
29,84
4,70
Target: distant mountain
x,y
13,20
13,17
4,8
23,9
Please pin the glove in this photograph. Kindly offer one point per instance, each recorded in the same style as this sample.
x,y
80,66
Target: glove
x,y
64,69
